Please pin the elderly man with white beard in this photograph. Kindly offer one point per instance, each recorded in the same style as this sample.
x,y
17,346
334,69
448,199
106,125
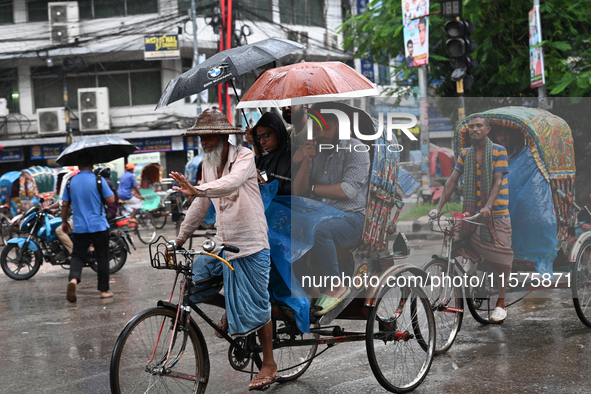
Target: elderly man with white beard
x,y
230,181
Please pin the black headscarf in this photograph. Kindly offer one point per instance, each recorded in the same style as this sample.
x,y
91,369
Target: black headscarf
x,y
277,162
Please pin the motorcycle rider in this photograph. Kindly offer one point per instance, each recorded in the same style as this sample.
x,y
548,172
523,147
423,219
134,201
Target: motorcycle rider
x,y
90,224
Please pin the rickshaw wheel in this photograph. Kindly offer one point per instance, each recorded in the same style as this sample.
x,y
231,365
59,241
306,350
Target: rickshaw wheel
x,y
292,361
447,323
400,339
19,264
581,284
145,229
159,220
482,300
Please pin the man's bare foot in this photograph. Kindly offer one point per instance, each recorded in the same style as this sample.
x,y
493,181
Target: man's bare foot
x,y
266,376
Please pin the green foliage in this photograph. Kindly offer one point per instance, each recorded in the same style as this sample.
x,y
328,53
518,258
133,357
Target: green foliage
x,y
503,45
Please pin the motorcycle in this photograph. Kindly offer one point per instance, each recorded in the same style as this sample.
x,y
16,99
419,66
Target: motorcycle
x,y
23,255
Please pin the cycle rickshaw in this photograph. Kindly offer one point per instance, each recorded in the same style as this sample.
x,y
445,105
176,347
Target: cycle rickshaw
x,y
400,328
552,249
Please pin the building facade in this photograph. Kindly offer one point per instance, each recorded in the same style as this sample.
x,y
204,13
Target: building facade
x,y
95,51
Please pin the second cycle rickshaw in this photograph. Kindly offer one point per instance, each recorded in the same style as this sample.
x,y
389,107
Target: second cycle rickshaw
x,y
552,247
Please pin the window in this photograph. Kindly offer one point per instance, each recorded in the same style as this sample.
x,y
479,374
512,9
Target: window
x,y
254,10
9,88
90,9
6,15
302,12
202,7
129,83
37,10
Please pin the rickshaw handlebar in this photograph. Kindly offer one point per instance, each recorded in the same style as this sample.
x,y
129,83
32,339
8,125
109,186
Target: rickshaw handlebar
x,y
456,217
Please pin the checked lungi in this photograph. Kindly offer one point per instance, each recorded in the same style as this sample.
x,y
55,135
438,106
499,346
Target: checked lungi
x,y
499,252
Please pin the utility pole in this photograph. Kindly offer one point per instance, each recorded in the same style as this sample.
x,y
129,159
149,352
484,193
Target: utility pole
x,y
195,49
424,113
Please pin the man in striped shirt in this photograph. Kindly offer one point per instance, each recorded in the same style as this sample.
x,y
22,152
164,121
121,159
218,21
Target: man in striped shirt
x,y
484,166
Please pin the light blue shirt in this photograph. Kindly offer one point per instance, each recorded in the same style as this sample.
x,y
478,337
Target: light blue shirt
x,y
86,203
126,183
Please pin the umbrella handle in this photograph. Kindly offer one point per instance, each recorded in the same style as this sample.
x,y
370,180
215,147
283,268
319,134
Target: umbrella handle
x,y
238,98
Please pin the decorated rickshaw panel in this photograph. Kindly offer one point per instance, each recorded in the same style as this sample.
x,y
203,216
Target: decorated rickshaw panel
x,y
549,138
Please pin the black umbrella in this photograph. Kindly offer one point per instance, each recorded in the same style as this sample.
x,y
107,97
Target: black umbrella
x,y
226,65
99,149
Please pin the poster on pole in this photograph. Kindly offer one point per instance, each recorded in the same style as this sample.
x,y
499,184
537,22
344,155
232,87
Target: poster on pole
x,y
536,55
416,32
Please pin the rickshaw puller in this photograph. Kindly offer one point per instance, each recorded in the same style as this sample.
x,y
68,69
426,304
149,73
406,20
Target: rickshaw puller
x,y
230,180
486,190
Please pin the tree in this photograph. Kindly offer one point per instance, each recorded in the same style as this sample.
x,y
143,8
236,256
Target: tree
x,y
503,55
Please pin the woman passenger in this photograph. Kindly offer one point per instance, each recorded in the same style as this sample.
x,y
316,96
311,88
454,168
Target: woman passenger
x,y
270,137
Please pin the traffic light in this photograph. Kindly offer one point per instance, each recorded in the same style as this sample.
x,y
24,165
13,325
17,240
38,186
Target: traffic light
x,y
458,46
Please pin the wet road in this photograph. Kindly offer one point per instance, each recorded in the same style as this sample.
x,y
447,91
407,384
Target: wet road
x,y
52,346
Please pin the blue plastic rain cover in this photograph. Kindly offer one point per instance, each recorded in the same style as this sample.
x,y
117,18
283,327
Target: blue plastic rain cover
x,y
406,182
531,207
292,222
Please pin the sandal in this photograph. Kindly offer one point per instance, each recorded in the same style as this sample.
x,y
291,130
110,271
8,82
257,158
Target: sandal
x,y
328,303
261,383
223,325
110,295
71,292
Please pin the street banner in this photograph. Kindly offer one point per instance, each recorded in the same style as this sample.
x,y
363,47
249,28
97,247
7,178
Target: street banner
x,y
536,55
12,153
416,32
162,46
367,69
41,152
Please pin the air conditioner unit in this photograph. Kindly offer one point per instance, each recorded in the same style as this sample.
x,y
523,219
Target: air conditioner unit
x,y
3,107
51,120
331,41
93,109
64,20
298,36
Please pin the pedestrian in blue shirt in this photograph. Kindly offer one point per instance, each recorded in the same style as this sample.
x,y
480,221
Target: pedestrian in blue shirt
x,y
90,227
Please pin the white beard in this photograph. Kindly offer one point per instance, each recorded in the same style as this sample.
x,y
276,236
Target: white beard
x,y
213,159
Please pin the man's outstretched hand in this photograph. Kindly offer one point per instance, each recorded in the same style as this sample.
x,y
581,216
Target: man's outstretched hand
x,y
184,186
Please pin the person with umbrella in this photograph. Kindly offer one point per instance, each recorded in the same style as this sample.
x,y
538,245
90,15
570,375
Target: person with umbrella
x,y
230,181
85,193
90,224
